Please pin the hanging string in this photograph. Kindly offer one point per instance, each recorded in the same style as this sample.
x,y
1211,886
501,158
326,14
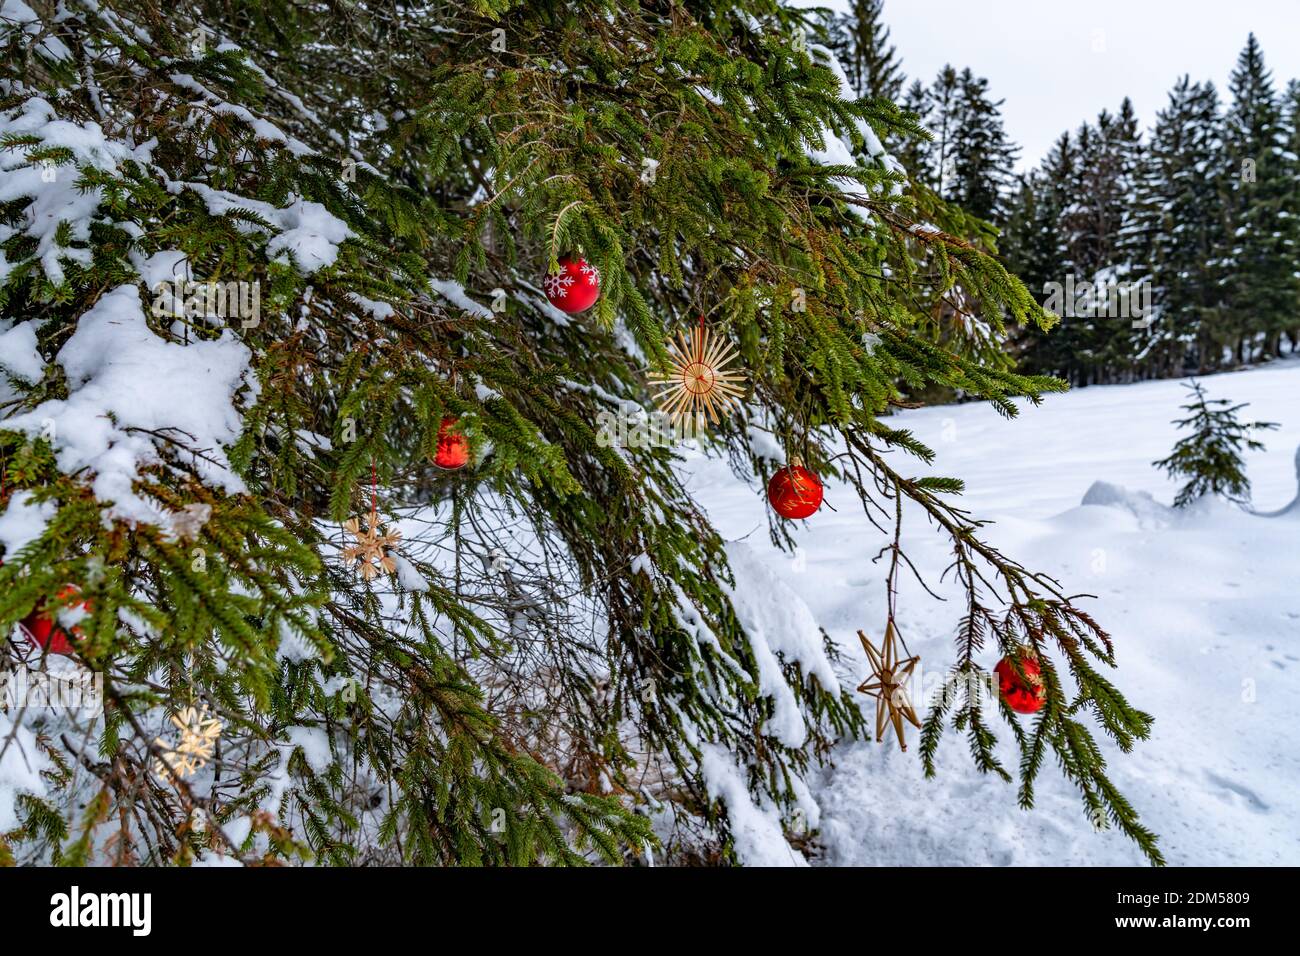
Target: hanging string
x,y
374,492
891,580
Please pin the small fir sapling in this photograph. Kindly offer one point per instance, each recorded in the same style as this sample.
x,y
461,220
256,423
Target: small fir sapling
x,y
1210,457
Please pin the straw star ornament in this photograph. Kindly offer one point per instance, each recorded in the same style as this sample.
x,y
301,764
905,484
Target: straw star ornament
x,y
197,743
888,684
700,386
371,549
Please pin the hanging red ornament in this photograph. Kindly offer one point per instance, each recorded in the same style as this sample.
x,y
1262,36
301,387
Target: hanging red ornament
x,y
453,447
794,491
43,629
1025,695
574,287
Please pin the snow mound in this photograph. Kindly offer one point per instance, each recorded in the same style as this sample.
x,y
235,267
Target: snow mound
x,y
131,392
1149,512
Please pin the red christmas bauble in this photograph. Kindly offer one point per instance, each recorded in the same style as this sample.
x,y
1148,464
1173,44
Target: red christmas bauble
x,y
44,630
1024,695
574,287
453,447
795,492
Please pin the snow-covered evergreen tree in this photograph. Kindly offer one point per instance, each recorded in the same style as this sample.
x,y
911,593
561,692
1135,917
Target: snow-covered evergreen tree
x,y
962,178
983,156
1291,200
861,41
1183,231
1041,245
969,161
1264,286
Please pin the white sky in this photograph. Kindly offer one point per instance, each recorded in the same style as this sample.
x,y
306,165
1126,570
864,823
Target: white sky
x,y
1039,54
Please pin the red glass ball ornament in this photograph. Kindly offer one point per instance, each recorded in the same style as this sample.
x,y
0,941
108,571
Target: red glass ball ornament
x,y
43,629
574,287
1025,695
453,447
795,492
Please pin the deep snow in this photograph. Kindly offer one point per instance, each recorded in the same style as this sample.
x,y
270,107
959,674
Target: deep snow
x,y
1203,606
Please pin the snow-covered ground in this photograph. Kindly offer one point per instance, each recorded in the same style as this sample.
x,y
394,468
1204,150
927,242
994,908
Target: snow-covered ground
x,y
1204,608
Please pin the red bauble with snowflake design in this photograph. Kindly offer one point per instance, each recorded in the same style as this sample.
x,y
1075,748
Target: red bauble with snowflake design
x,y
43,629
575,287
794,491
1024,695
453,447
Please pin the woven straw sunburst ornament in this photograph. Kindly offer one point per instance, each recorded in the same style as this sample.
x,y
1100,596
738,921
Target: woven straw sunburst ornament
x,y
700,388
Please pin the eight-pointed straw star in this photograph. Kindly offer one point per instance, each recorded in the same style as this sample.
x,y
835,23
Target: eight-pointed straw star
x,y
198,741
888,684
370,547
700,384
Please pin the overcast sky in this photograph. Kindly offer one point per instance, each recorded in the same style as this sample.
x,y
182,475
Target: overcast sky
x,y
1060,62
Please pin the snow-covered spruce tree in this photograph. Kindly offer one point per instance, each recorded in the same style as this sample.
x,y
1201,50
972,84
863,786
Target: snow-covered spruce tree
x,y
1038,246
1098,221
860,40
969,160
983,157
1081,209
563,667
1291,160
959,178
1265,224
1210,457
1183,231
